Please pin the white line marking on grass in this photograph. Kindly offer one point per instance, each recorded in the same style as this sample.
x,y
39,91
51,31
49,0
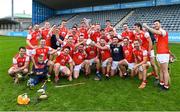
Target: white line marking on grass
x,y
68,85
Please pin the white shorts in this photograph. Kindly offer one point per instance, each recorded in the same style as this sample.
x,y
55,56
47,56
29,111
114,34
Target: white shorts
x,y
92,61
114,65
29,52
61,68
104,63
152,54
78,67
141,68
162,58
130,65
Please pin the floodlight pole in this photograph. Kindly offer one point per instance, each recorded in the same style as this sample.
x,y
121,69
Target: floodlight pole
x,y
12,9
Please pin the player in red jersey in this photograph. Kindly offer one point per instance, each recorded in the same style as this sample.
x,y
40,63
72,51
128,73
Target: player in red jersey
x,y
105,56
45,33
79,58
69,43
129,58
92,57
104,35
94,32
46,51
141,62
84,29
32,40
20,65
162,52
146,43
127,33
109,27
110,36
62,60
30,29
152,57
63,30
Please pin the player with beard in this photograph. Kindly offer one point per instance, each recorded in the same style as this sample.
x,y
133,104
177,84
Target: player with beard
x,y
62,60
163,53
105,56
20,65
92,57
117,55
129,58
63,30
127,33
79,58
141,62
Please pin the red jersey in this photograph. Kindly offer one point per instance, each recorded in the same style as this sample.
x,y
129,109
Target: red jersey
x,y
63,31
107,29
95,36
38,51
63,59
105,54
33,38
128,34
84,31
91,52
79,57
72,48
45,36
140,54
162,42
20,61
75,38
128,53
143,37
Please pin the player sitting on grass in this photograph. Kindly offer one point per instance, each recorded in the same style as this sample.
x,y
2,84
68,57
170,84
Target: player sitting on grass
x,y
63,58
20,65
40,70
141,63
79,57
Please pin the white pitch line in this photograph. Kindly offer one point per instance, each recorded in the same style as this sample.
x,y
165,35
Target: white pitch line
x,y
68,85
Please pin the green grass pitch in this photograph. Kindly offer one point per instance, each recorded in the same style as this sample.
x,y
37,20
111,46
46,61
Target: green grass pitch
x,y
113,94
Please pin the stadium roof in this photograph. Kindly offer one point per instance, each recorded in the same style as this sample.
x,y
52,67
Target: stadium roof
x,y
7,21
68,4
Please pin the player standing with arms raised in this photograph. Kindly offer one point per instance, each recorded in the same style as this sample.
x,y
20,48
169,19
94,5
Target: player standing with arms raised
x,y
162,52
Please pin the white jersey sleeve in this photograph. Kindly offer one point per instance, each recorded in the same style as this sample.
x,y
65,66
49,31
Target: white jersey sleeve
x,y
163,32
58,53
29,37
27,59
14,61
146,35
144,52
33,52
70,59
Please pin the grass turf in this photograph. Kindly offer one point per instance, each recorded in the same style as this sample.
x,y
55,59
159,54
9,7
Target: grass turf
x,y
113,94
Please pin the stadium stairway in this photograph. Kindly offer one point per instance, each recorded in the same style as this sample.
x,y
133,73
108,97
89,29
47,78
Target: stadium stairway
x,y
118,24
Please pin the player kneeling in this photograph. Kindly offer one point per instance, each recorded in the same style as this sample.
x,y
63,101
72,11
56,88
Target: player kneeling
x,y
79,59
61,62
141,63
105,56
128,62
40,71
20,65
92,57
